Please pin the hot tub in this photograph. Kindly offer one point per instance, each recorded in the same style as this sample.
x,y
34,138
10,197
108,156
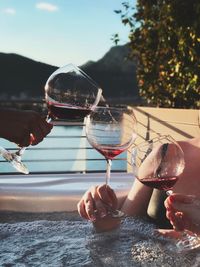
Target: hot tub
x,y
39,226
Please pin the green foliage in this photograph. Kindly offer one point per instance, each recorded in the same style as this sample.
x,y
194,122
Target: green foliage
x,y
165,39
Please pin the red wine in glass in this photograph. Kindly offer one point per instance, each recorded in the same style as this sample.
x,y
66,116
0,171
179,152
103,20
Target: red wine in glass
x,y
71,94
66,112
158,163
164,183
109,153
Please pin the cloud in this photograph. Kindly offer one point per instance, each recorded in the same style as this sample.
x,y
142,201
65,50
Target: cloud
x,y
46,6
9,11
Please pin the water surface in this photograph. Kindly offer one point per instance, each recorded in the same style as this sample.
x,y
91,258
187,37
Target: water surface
x,y
65,149
64,239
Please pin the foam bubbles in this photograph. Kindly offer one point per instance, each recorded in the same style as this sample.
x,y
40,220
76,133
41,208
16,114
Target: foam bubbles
x,y
67,240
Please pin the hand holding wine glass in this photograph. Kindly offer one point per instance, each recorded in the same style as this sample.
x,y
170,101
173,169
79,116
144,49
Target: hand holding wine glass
x,y
111,131
18,124
23,127
158,163
70,94
183,211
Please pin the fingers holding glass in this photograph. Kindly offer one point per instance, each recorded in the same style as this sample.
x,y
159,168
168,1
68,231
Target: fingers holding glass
x,y
108,196
183,212
97,203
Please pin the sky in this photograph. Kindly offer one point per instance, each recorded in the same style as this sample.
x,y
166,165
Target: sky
x,y
58,32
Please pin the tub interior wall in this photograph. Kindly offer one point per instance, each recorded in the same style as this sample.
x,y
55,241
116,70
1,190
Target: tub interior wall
x,y
51,193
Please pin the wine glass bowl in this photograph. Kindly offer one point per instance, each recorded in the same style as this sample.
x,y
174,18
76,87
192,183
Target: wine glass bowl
x,y
71,94
111,131
158,162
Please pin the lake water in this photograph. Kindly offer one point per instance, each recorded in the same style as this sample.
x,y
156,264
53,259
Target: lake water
x,y
65,149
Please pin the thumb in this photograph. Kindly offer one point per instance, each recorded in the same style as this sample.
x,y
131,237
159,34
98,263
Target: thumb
x,y
32,138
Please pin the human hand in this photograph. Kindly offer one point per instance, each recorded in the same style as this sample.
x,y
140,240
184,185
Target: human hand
x,y
97,202
183,211
23,127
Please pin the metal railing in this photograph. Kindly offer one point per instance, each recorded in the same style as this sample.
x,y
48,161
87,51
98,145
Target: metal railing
x,y
181,124
64,150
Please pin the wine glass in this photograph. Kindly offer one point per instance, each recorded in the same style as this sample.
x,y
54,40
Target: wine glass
x,y
111,131
70,95
158,163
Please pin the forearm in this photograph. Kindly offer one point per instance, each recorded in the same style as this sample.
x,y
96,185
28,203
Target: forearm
x,y
137,201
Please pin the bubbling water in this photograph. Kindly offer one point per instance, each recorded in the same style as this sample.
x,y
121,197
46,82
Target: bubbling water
x,y
64,239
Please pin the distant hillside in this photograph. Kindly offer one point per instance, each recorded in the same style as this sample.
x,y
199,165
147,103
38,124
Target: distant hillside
x,y
115,73
21,77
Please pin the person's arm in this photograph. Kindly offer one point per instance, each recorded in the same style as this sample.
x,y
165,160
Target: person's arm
x,y
137,200
23,127
93,205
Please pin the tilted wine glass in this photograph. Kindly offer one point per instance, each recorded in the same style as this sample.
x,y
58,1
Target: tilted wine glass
x,y
70,95
111,131
158,163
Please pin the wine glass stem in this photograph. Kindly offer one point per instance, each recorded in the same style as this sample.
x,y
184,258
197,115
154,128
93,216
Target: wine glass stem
x,y
169,192
108,170
48,118
20,152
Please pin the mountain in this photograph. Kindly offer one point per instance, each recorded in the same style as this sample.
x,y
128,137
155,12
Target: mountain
x,y
21,77
115,73
24,78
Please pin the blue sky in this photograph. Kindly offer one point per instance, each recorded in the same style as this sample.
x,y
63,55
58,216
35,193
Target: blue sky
x,y
60,31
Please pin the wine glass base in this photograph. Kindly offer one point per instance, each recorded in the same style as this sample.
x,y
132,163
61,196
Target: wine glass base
x,y
113,212
117,214
15,160
189,241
